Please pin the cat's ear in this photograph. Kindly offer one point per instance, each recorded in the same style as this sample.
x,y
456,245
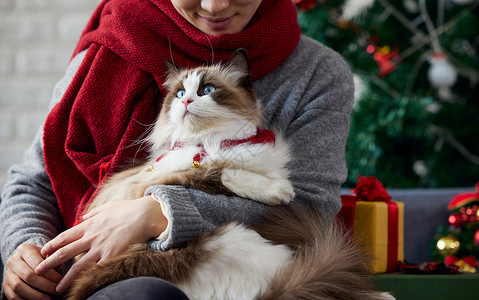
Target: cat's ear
x,y
239,62
171,69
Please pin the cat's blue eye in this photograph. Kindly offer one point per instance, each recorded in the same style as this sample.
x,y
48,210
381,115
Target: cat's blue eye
x,y
180,93
208,89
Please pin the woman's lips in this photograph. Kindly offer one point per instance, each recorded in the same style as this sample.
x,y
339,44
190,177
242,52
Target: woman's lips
x,y
218,24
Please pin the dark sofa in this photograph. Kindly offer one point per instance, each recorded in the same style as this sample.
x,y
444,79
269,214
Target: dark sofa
x,y
424,210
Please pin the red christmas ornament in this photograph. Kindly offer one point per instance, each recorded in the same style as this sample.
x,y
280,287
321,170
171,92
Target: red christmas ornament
x,y
476,238
371,49
455,220
450,260
467,214
384,57
470,260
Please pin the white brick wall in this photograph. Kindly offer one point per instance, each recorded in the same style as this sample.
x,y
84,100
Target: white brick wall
x,y
37,38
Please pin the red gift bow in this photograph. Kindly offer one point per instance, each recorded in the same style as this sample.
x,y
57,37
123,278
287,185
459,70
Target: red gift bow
x,y
464,199
370,189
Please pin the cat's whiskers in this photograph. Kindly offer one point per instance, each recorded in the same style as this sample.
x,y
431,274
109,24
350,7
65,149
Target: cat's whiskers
x,y
141,140
142,147
143,137
212,52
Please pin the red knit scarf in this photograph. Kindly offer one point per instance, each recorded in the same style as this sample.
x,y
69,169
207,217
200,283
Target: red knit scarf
x,y
118,87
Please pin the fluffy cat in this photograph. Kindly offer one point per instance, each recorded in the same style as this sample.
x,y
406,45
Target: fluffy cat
x,y
207,137
293,253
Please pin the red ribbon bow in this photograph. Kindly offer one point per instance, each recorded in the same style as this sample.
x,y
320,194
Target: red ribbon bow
x,y
370,189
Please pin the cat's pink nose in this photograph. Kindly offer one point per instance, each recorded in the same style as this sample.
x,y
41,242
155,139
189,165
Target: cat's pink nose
x,y
186,102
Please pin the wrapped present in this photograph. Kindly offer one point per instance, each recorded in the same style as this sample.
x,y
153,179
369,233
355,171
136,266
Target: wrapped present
x,y
376,220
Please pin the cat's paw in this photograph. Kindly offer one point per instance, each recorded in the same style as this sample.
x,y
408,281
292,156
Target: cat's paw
x,y
272,191
280,192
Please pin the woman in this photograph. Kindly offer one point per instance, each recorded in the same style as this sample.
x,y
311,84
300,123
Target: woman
x,y
113,86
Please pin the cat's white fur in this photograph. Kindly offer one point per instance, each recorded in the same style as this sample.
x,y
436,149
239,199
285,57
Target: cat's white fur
x,y
247,174
240,269
243,267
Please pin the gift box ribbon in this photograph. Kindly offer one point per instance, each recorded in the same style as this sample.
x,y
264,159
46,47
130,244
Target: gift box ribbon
x,y
347,217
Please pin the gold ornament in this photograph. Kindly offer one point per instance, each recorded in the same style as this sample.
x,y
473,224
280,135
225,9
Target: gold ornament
x,y
385,50
196,164
448,245
465,267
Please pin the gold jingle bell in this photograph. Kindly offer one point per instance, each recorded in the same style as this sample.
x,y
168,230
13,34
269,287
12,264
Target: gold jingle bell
x,y
196,164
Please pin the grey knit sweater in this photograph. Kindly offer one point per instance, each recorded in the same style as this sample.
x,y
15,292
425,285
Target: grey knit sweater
x,y
308,98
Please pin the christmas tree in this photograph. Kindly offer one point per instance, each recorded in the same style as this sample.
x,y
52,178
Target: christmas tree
x,y
416,66
457,242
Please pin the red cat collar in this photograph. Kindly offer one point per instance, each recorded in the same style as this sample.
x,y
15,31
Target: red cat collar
x,y
262,136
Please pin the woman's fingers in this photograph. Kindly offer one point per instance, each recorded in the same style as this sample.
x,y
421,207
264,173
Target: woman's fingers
x,y
20,279
61,240
62,255
28,276
33,259
15,288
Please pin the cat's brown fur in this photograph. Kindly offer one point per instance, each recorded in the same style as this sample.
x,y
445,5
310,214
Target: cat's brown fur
x,y
327,263
207,179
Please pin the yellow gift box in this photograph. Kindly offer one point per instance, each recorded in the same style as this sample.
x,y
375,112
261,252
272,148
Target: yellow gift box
x,y
380,225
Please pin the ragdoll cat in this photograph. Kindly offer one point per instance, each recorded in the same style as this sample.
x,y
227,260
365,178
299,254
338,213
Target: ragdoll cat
x,y
208,137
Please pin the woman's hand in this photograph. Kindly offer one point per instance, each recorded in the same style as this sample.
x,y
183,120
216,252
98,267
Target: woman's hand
x,y
105,232
21,281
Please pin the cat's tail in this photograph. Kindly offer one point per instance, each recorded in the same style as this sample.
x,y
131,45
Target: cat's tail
x,y
326,264
138,261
